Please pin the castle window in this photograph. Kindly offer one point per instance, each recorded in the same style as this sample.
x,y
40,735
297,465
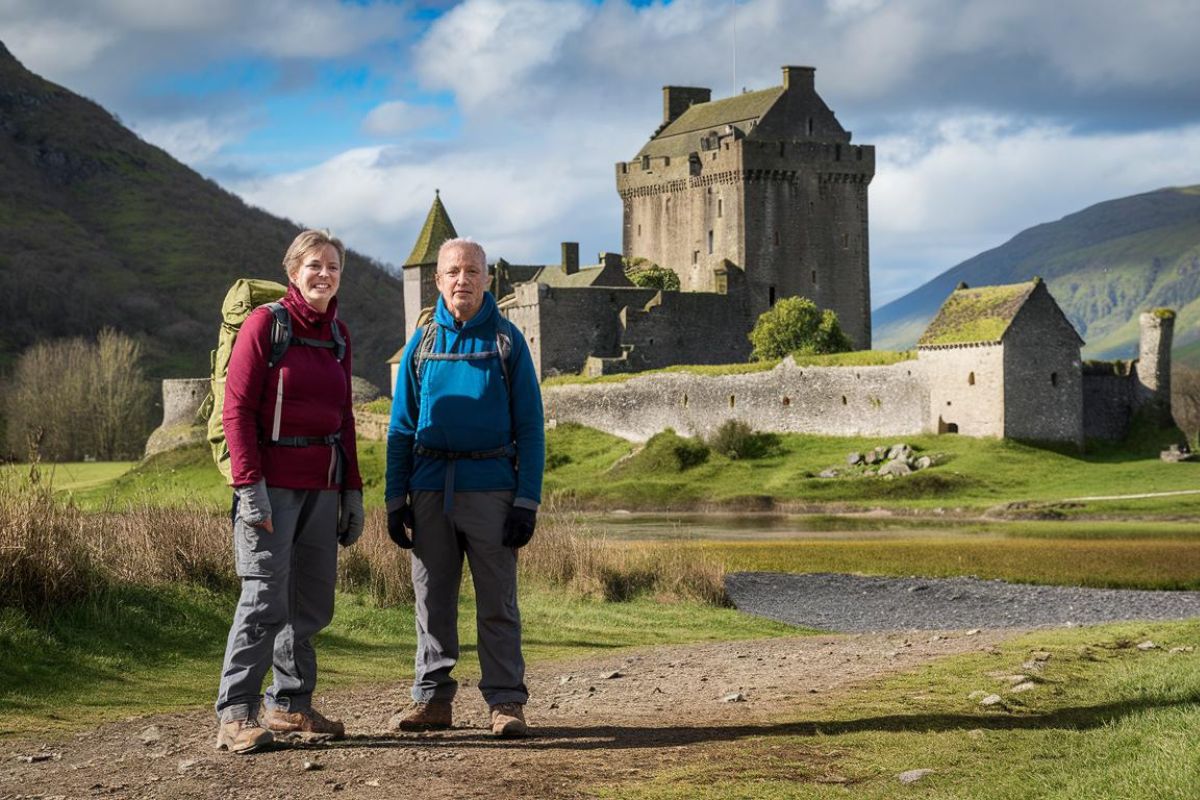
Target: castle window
x,y
843,399
639,230
695,256
720,207
1054,379
814,277
731,401
951,427
710,242
645,162
845,240
770,295
685,401
810,126
777,238
787,401
781,146
971,379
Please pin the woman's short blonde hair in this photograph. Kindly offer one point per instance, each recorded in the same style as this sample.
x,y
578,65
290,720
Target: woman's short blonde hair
x,y
307,242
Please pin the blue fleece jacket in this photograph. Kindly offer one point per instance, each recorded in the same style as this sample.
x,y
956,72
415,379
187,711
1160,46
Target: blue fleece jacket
x,y
464,405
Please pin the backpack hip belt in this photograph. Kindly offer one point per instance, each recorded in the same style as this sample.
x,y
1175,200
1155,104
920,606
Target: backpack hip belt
x,y
303,441
452,457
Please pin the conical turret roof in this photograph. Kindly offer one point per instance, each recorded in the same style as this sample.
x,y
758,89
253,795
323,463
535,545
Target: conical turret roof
x,y
436,230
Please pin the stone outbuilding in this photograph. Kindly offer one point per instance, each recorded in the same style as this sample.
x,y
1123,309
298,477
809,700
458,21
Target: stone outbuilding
x,y
1004,361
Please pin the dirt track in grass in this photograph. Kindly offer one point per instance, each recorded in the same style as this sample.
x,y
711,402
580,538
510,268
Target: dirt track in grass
x,y
592,729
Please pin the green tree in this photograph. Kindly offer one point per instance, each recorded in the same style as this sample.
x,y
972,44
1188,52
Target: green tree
x,y
796,325
645,273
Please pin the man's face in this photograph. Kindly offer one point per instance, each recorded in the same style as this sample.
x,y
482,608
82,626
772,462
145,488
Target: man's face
x,y
461,279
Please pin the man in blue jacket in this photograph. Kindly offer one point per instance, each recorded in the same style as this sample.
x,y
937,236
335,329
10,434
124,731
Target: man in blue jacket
x,y
465,453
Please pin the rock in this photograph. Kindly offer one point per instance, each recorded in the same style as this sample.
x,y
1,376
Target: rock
x,y
1033,666
895,468
973,632
1039,655
1015,679
373,782
608,676
1175,454
871,457
871,471
978,694
913,775
38,758
1181,649
924,462
184,766
899,451
1147,645
1024,686
564,679
553,706
992,700
311,766
828,473
734,697
151,735
854,459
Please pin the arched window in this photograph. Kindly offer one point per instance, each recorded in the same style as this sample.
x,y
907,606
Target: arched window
x,y
971,379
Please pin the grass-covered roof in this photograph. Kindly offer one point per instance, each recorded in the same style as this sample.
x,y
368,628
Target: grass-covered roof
x,y
977,316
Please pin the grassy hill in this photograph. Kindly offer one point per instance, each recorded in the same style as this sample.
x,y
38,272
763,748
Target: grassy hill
x,y
102,229
1104,265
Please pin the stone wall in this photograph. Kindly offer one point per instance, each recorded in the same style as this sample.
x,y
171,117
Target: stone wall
x,y
181,400
845,401
1108,405
966,389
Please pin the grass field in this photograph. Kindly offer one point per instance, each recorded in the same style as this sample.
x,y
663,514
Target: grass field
x,y
1104,720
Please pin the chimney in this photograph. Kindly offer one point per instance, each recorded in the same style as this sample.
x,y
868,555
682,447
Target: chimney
x,y
570,258
677,99
799,78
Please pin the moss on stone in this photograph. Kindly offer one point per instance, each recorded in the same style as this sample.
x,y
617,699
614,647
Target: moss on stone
x,y
437,229
977,315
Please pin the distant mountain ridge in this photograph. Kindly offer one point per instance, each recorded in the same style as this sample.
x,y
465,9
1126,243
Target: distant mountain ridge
x,y
99,228
1104,265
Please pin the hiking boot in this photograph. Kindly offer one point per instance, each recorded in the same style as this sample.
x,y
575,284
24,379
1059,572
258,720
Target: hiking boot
x,y
434,715
508,720
242,736
307,725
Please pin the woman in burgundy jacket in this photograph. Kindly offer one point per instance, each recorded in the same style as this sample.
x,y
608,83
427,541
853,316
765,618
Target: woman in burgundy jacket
x,y
298,494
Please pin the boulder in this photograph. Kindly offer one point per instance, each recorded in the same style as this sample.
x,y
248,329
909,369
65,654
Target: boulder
x,y
895,468
854,459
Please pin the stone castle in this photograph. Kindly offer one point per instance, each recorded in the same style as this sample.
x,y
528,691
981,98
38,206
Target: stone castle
x,y
748,200
758,197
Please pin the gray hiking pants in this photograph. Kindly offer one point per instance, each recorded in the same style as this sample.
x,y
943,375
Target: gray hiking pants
x,y
474,527
288,578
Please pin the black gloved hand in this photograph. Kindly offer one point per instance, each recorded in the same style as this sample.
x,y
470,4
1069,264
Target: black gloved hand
x,y
400,526
518,528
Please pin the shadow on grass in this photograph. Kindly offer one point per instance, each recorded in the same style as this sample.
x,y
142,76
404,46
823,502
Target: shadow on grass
x,y
609,737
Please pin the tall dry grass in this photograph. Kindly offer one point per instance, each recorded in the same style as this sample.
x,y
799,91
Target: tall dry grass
x,y
52,553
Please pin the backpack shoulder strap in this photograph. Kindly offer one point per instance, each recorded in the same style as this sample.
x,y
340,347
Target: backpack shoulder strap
x,y
504,346
281,332
424,348
339,340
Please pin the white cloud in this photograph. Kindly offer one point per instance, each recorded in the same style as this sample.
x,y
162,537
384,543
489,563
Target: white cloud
x,y
396,117
194,140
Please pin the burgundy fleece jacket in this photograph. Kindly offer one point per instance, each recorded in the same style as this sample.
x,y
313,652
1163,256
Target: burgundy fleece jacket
x,y
315,401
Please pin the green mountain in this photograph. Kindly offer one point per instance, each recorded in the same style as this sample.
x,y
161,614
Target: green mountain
x,y
1104,265
99,228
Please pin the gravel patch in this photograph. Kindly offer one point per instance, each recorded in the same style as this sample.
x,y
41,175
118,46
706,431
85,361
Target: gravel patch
x,y
835,602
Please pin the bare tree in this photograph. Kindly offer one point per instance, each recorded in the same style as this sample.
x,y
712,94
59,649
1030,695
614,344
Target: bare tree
x,y
1185,401
81,398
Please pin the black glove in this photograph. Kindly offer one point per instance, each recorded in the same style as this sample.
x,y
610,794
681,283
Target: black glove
x,y
518,528
400,526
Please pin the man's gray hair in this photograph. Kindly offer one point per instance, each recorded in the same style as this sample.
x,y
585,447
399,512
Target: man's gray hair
x,y
465,243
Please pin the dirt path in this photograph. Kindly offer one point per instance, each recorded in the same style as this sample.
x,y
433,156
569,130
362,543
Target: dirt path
x,y
666,705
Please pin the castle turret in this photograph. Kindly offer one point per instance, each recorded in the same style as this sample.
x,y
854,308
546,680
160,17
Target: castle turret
x,y
1154,361
421,265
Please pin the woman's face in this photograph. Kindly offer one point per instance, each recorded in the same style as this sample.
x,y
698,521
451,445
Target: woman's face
x,y
318,276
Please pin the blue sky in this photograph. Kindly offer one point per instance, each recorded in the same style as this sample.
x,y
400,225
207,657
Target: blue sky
x,y
987,116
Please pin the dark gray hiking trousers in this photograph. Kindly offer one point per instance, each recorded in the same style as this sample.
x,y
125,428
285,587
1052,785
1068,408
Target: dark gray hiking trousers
x,y
474,527
288,579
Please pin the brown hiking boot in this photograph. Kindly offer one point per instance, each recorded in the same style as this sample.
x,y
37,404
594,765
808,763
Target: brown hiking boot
x,y
508,720
434,715
307,726
243,736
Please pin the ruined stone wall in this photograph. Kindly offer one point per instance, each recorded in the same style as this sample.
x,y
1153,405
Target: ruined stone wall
x,y
687,328
564,326
966,389
845,401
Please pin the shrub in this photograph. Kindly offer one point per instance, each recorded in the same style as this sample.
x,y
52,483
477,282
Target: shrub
x,y
796,325
736,440
649,275
669,452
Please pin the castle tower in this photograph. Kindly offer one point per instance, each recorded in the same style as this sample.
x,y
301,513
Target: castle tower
x,y
421,265
1154,360
766,179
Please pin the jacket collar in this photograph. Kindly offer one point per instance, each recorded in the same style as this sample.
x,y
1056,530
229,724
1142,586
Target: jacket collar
x,y
484,315
305,313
